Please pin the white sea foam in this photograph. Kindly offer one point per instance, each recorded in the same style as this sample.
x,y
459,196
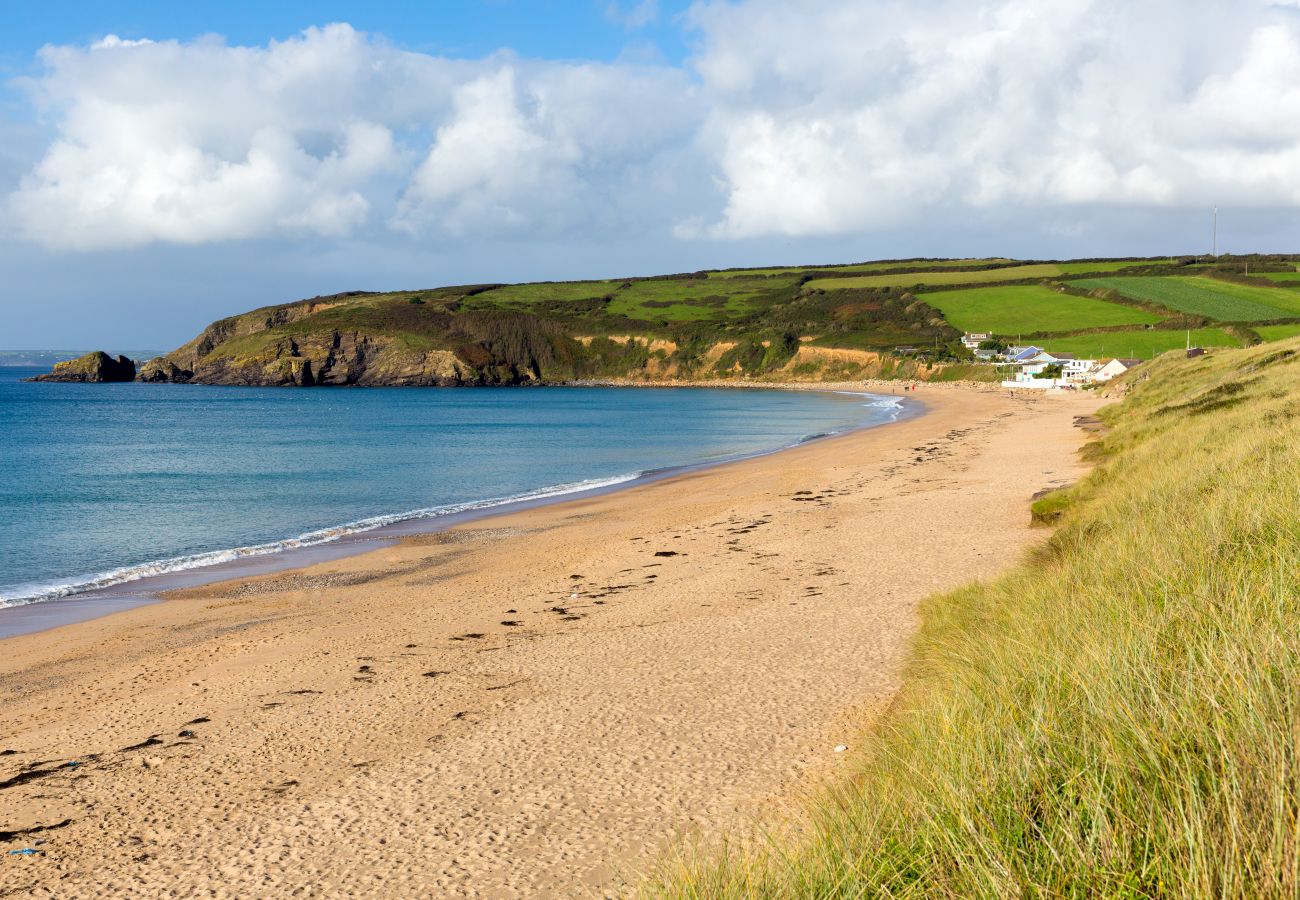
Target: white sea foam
x,y
36,593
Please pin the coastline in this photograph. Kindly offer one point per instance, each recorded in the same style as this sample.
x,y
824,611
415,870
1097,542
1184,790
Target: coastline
x,y
540,702
128,593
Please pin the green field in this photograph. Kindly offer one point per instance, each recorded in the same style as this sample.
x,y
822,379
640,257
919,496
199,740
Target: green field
x,y
913,279
1283,277
1277,332
1204,296
1082,268
1022,309
923,265
652,299
1140,344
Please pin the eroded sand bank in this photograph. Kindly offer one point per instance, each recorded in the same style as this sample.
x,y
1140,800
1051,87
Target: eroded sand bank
x,y
535,704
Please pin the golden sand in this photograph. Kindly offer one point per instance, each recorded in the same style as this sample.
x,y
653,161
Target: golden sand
x,y
536,704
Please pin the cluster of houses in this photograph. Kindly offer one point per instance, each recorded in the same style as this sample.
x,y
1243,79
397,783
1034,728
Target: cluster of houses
x,y
1039,369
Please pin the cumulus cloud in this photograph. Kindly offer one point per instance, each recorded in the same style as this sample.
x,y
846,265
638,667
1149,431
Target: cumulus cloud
x,y
549,150
831,117
817,119
201,142
637,15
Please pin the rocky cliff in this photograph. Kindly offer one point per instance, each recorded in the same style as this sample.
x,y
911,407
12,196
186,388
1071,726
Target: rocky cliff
x,y
652,329
97,367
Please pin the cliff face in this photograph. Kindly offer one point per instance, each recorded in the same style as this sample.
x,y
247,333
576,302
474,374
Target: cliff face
x,y
93,367
365,339
656,329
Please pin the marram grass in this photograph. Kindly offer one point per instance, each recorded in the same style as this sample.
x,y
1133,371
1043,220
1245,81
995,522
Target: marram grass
x,y
1120,715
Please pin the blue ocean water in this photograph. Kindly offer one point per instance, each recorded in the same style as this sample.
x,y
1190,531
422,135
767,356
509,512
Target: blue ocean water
x,y
103,484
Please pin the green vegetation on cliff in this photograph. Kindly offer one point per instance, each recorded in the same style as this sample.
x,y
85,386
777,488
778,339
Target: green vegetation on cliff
x,y
893,318
687,326
1117,717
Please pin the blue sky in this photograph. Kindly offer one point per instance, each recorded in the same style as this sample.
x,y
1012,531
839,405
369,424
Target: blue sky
x,y
547,29
163,165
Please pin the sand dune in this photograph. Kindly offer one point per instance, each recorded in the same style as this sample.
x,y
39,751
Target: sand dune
x,y
536,704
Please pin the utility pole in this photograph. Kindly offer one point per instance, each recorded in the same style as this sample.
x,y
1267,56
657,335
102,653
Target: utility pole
x,y
1214,245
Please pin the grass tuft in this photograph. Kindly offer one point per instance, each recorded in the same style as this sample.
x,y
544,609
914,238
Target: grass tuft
x,y
1120,715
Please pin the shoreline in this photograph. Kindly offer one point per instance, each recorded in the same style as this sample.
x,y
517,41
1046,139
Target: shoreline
x,y
537,705
30,617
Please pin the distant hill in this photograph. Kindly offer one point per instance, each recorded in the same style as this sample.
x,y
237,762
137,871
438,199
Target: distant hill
x,y
891,318
47,358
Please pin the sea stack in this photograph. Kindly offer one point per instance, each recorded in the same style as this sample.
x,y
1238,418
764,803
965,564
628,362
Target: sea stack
x,y
97,367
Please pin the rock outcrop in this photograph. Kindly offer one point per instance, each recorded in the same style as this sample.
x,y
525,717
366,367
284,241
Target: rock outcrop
x,y
162,369
97,367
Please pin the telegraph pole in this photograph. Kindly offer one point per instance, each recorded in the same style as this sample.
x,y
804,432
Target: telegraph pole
x,y
1215,241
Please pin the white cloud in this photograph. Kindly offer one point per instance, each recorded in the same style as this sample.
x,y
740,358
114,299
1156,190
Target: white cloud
x,y
637,15
316,136
547,150
826,118
834,117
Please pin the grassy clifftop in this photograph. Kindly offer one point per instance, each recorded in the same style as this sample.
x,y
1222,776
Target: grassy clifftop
x,y
1120,715
686,326
899,318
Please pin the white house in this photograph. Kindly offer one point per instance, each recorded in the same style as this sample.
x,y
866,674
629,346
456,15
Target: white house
x,y
972,339
1074,371
1109,368
1020,354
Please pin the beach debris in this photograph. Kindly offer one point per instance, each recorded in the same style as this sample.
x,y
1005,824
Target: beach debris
x,y
30,773
511,622
151,741
576,577
840,748
186,733
71,764
199,721
7,752
471,636
25,851
35,829
434,674
666,553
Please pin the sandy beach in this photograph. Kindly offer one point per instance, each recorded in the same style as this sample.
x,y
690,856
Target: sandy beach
x,y
536,704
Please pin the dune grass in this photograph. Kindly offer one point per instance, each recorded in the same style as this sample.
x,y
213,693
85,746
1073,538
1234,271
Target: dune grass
x,y
1016,309
1117,717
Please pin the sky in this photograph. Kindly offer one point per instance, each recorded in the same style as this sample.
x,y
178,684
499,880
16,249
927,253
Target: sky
x,y
164,165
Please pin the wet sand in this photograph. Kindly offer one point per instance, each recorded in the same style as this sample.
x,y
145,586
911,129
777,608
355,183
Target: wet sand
x,y
535,704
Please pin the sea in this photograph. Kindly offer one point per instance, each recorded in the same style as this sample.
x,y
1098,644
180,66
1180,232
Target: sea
x,y
106,485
